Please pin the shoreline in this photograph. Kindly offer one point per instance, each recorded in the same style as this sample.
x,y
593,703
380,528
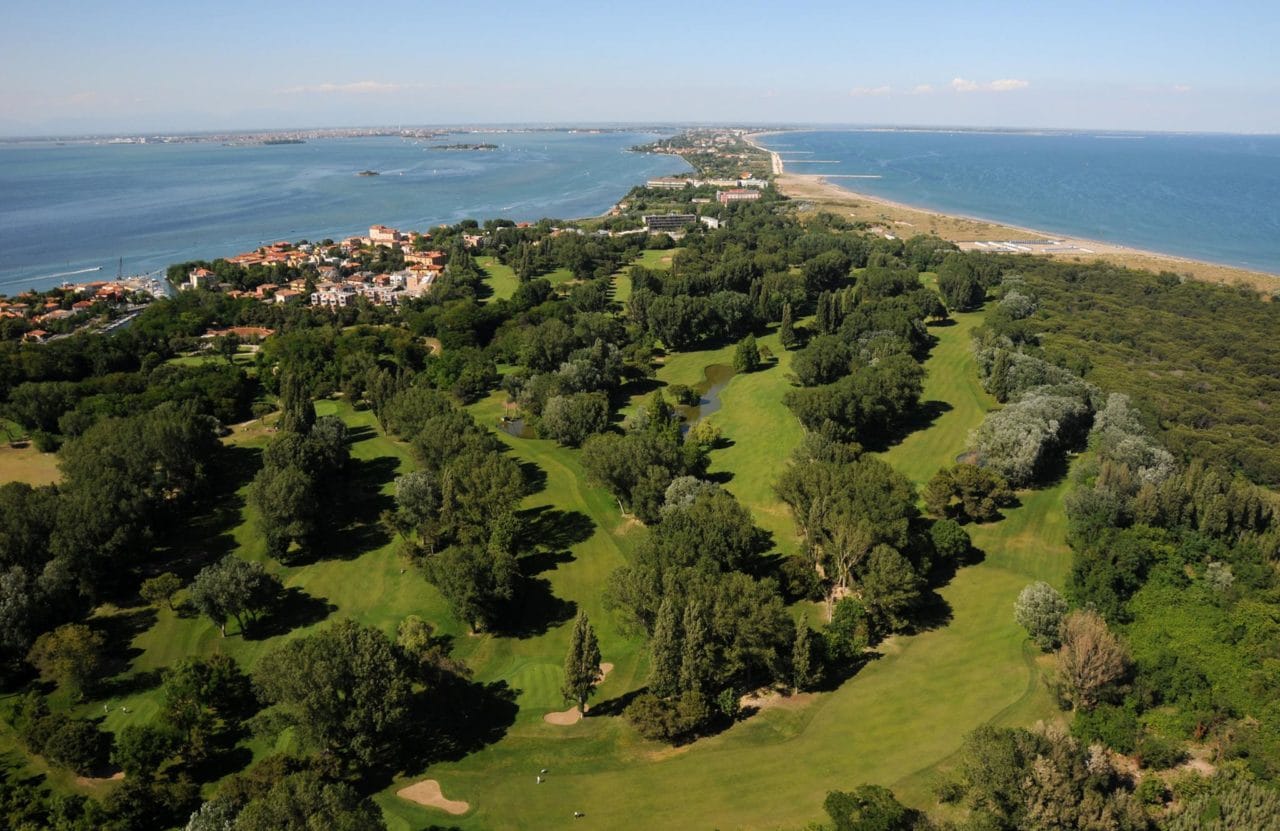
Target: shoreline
x,y
978,233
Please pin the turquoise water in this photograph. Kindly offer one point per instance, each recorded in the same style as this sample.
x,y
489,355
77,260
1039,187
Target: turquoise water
x,y
1208,197
73,207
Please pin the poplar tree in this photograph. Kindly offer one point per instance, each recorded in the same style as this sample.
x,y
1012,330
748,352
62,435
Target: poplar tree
x,y
296,411
804,672
697,659
582,664
786,331
664,648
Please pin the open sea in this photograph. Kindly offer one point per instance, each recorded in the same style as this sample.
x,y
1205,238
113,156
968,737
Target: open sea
x,y
70,208
1204,196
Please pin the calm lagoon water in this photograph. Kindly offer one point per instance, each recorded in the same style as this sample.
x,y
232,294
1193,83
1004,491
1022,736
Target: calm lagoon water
x,y
77,206
1208,197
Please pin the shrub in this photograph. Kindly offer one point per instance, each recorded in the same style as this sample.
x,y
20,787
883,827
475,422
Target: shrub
x,y
1039,609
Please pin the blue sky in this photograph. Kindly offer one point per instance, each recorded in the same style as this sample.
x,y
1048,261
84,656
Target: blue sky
x,y
165,66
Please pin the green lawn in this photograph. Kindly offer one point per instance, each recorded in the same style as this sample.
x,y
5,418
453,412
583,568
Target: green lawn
x,y
502,279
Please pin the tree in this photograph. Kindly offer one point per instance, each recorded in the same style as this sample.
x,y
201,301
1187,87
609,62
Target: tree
x,y
786,330
71,655
1091,658
228,346
746,358
161,589
805,668
345,689
890,587
582,664
234,588
959,284
967,491
205,700
297,413
664,650
141,749
304,801
868,808
950,541
1039,609
569,419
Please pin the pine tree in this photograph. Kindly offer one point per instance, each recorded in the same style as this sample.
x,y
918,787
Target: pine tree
x,y
297,414
787,332
582,664
664,649
827,317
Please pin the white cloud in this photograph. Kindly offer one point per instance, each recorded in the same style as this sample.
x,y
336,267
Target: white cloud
x,y
353,88
865,92
1181,88
1001,85
922,89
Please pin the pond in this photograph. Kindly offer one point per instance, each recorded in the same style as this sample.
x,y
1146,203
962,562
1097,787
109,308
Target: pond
x,y
715,377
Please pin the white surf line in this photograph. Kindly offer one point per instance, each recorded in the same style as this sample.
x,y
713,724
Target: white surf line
x,y
51,276
852,176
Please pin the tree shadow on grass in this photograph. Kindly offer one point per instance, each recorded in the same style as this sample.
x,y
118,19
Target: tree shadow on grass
x,y
535,478
920,418
221,763
355,529
536,610
119,630
462,717
549,528
933,612
294,609
614,706
203,533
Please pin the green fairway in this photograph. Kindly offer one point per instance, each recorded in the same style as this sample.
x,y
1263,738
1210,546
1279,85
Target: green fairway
x,y
502,279
895,723
659,260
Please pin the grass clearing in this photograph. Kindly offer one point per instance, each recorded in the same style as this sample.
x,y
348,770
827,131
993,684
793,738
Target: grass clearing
x,y
27,464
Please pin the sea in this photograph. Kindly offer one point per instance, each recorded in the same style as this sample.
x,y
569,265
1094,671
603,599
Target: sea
x,y
1210,197
73,211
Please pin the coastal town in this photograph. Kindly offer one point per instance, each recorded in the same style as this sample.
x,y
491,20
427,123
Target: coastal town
x,y
337,276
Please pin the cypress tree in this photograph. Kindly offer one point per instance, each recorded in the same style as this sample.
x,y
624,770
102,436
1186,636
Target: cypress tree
x,y
787,332
664,650
582,664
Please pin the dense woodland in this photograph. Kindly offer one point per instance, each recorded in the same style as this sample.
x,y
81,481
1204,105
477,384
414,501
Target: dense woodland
x,y
1164,639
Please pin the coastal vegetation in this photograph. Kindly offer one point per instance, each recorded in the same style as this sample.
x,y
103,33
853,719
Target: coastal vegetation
x,y
876,506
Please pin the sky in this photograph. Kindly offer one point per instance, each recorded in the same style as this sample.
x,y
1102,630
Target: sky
x,y
124,66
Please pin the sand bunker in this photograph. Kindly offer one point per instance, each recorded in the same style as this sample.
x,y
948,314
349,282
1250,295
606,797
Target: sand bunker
x,y
427,792
605,669
563,719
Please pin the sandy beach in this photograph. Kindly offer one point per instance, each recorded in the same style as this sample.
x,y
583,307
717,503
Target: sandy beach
x,y
900,220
